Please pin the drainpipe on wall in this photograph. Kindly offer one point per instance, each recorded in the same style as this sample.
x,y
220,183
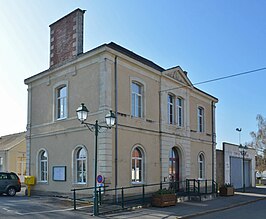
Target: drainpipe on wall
x,y
28,133
160,129
116,127
213,141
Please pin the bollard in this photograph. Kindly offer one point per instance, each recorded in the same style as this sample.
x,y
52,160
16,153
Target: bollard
x,y
28,190
75,204
143,194
122,193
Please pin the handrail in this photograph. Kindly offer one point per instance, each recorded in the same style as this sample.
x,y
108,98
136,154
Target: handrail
x,y
200,186
196,188
87,188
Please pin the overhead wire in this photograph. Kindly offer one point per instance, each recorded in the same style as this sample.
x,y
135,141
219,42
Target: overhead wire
x,y
213,80
230,76
217,79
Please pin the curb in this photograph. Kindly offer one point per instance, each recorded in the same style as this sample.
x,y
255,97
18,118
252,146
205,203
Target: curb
x,y
220,209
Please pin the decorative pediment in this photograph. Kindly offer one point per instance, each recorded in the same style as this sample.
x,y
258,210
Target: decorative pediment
x,y
175,75
178,74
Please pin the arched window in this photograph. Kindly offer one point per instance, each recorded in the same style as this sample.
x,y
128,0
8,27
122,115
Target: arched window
x,y
43,166
137,165
81,165
201,162
61,102
201,119
180,111
170,109
136,99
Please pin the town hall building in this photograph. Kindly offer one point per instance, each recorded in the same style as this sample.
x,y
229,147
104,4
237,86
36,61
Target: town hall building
x,y
164,130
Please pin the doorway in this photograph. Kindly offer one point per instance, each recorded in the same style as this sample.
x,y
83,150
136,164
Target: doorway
x,y
174,165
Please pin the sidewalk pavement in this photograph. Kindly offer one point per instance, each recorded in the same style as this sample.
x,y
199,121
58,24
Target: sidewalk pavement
x,y
195,208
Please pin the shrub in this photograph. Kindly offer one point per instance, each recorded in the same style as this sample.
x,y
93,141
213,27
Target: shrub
x,y
226,185
164,191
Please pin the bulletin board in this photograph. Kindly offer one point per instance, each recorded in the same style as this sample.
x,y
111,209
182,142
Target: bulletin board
x,y
59,173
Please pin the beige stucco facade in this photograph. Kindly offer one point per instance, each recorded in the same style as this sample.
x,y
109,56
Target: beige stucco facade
x,y
90,79
13,154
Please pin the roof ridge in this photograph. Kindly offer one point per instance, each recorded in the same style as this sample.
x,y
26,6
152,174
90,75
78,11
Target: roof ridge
x,y
134,55
9,135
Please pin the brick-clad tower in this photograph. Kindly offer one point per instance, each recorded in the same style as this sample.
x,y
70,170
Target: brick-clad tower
x,y
66,37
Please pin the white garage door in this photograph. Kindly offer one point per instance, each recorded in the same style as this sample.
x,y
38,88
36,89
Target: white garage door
x,y
236,172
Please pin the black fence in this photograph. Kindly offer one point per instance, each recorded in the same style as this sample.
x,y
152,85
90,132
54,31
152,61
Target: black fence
x,y
200,187
113,199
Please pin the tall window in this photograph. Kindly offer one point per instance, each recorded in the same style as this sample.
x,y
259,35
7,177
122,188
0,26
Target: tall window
x,y
81,160
43,166
170,109
137,165
200,119
61,102
179,111
175,110
201,162
136,100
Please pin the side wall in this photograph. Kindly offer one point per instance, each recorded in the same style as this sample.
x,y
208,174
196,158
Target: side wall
x,y
220,167
231,150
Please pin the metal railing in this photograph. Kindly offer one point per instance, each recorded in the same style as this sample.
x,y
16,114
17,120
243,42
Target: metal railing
x,y
111,199
200,187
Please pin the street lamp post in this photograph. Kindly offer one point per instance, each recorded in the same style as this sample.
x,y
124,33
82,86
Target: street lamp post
x,y
243,152
82,114
239,131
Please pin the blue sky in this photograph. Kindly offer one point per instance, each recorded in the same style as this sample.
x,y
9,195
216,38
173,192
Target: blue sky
x,y
208,39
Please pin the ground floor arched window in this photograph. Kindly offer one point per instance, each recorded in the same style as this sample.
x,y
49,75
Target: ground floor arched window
x,y
80,159
43,166
137,165
201,165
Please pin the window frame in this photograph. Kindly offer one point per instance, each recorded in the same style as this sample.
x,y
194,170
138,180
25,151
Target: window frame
x,y
61,103
170,107
43,167
201,119
56,89
201,165
135,159
180,112
136,110
177,117
84,165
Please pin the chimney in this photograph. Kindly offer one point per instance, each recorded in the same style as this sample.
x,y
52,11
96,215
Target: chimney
x,y
66,37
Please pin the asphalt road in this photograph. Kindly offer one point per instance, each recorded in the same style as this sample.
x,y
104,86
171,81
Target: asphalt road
x,y
21,206
248,205
253,210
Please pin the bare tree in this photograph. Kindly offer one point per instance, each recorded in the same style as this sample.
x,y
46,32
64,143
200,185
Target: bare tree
x,y
260,163
259,137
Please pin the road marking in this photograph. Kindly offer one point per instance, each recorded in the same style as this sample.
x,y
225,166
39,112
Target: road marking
x,y
7,210
42,212
15,201
195,204
250,194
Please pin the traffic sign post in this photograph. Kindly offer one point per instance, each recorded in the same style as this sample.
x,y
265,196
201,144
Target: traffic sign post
x,y
100,183
99,179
